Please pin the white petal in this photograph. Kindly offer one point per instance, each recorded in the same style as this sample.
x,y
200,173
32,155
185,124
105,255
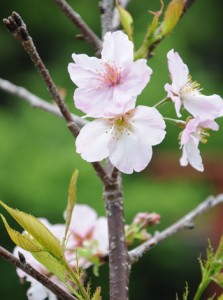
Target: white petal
x,y
191,155
92,141
38,292
135,77
103,102
206,107
83,219
127,155
85,72
117,48
173,94
100,234
148,125
178,70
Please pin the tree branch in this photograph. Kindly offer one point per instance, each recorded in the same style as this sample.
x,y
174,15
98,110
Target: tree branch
x,y
88,34
187,4
183,223
35,101
106,7
17,27
118,255
28,269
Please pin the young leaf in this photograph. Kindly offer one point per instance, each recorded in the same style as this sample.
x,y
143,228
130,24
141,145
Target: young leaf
x,y
52,264
21,240
37,230
221,297
218,278
71,200
172,15
126,20
97,294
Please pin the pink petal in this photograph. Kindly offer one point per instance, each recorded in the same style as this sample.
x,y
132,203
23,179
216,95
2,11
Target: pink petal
x,y
103,102
191,155
85,72
178,70
92,141
209,124
135,77
148,125
83,220
117,48
206,107
100,234
173,94
127,155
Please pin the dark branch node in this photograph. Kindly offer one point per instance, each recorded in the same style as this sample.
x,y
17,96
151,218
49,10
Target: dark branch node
x,y
22,258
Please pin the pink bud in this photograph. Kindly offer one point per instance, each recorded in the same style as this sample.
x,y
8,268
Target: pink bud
x,y
146,220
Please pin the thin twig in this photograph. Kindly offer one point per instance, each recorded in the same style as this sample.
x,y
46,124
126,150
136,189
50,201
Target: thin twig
x,y
35,101
106,8
86,31
187,4
116,18
183,223
17,27
28,269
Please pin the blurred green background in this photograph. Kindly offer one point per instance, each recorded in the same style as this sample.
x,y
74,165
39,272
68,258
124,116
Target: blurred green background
x,y
37,152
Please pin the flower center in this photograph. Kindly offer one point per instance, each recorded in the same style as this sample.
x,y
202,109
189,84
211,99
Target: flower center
x,y
121,124
190,86
111,76
202,134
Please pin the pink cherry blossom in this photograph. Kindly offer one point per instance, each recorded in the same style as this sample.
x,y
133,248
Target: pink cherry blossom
x,y
195,132
127,139
86,231
111,84
184,92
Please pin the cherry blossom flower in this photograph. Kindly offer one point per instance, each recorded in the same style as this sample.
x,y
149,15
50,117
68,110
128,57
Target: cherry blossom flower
x,y
184,92
127,139
111,84
195,132
86,231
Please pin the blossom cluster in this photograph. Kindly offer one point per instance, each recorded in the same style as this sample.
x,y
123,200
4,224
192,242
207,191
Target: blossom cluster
x,y
107,89
203,110
86,231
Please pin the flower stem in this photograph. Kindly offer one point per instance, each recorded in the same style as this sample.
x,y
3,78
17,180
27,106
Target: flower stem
x,y
77,282
176,122
203,285
161,102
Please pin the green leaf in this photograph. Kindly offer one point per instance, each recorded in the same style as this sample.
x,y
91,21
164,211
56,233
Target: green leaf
x,y
126,20
97,294
218,278
152,34
219,251
52,264
22,240
71,200
37,230
155,22
221,297
172,15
